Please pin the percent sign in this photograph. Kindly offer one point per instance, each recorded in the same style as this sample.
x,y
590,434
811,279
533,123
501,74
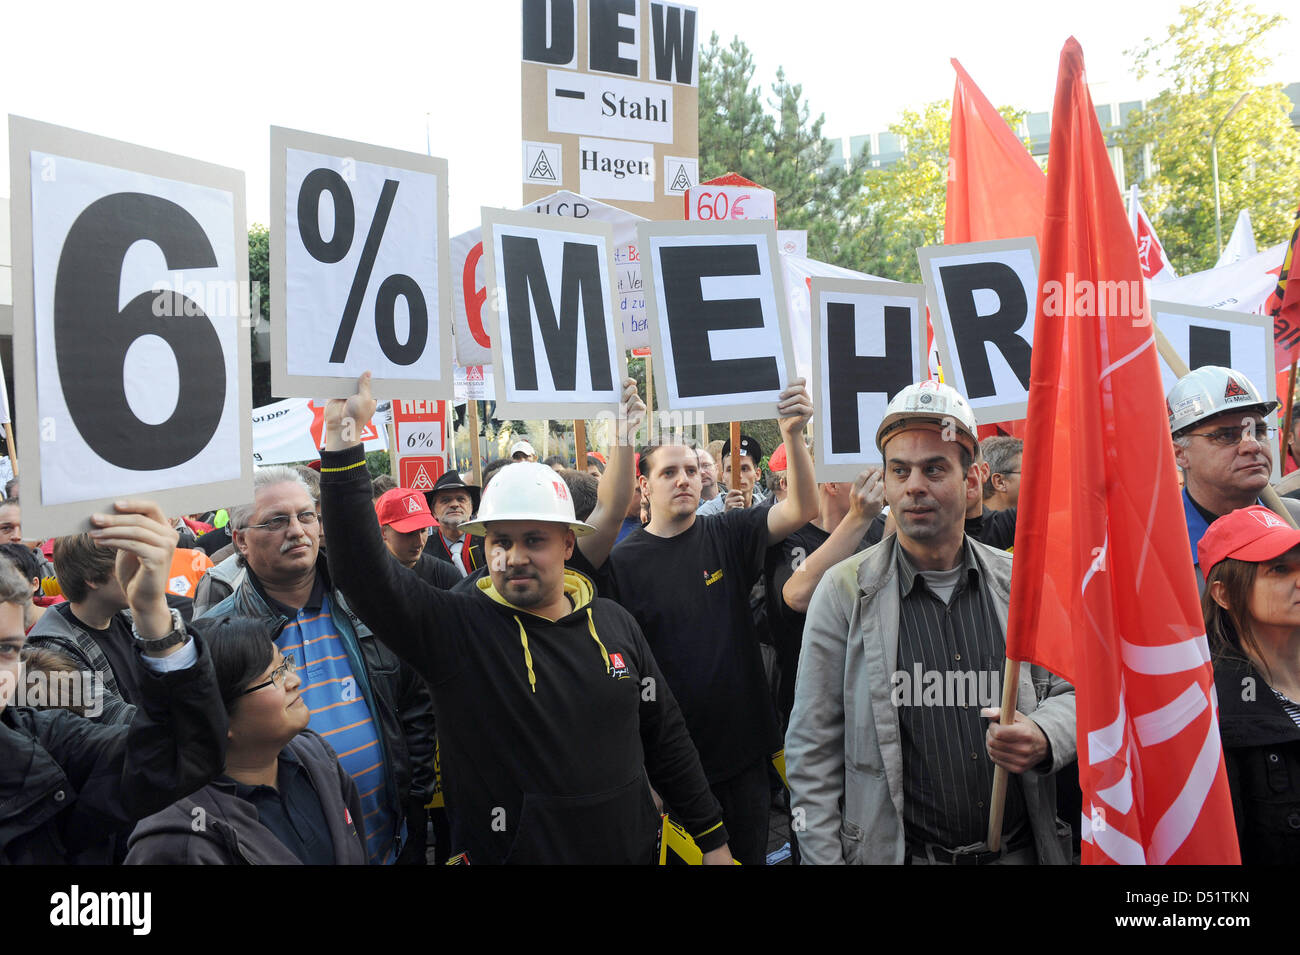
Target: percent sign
x,y
320,181
422,439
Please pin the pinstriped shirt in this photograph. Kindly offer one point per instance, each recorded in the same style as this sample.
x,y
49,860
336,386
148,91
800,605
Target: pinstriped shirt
x,y
950,660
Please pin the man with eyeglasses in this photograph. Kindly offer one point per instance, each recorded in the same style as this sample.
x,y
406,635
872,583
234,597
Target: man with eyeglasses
x,y
372,709
1223,444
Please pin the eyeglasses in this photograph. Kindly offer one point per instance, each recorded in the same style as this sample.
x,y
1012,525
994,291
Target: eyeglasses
x,y
1231,437
281,521
278,676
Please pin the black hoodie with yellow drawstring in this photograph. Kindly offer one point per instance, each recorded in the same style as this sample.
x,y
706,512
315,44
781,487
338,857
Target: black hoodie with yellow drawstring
x,y
548,729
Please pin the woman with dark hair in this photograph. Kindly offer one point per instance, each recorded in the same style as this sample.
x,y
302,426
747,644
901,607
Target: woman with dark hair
x,y
282,797
1251,559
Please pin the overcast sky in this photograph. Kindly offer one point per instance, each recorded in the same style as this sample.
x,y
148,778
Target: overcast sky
x,y
207,80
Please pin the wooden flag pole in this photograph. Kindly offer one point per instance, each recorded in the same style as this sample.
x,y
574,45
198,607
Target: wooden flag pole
x,y
13,458
473,441
649,401
393,469
998,801
1269,496
735,456
580,445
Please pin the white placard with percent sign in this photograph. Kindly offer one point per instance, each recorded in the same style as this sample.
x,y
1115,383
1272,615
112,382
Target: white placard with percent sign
x,y
131,302
420,437
359,268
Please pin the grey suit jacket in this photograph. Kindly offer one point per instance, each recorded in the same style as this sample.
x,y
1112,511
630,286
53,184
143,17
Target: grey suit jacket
x,y
843,750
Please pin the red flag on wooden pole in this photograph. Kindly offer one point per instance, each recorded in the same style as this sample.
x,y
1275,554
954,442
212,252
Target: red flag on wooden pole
x,y
1103,591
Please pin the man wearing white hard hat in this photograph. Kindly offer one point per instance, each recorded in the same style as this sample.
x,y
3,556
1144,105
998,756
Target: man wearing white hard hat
x,y
887,753
1223,443
553,718
522,451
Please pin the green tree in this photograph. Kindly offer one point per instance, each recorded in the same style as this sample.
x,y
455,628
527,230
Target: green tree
x,y
259,277
905,201
779,146
1209,59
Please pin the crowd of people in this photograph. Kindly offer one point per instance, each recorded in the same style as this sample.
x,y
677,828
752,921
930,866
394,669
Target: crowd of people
x,y
537,669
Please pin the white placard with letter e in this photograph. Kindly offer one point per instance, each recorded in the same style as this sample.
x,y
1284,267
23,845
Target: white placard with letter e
x,y
718,327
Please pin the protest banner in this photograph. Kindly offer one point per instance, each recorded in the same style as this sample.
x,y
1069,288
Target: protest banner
x,y
721,342
981,297
869,343
557,347
610,95
359,268
294,430
150,398
718,200
420,441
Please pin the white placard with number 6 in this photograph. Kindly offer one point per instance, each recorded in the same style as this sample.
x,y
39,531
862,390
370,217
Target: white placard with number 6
x,y
131,316
359,254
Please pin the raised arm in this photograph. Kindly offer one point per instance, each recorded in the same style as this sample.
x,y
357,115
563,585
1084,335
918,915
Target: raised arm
x,y
866,498
400,608
800,504
615,491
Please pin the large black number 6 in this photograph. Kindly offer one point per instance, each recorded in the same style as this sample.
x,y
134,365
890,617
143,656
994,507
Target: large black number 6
x,y
90,333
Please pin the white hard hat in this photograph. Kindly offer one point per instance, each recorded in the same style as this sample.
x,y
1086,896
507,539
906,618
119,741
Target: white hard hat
x,y
930,405
1212,390
524,447
526,491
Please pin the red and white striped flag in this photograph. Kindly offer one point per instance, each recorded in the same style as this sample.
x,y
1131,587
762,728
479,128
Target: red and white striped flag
x,y
1151,254
1103,592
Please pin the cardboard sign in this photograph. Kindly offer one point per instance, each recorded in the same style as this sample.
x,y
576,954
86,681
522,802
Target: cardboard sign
x,y
420,474
420,427
6,273
469,278
869,344
611,101
358,268
131,347
982,299
720,337
1212,336
557,344
713,203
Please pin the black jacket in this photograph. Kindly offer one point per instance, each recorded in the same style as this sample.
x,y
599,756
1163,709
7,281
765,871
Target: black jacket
x,y
217,827
398,699
1261,748
548,728
68,785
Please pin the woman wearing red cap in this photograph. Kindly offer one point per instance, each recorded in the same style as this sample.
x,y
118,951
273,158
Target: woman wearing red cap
x,y
1252,619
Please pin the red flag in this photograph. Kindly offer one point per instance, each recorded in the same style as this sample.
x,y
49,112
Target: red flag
x,y
1103,591
995,188
1284,305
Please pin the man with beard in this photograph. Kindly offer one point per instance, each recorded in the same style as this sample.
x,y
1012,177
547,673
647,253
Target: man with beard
x,y
373,710
453,503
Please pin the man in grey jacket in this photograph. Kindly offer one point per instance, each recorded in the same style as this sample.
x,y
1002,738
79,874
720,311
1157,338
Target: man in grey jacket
x,y
887,753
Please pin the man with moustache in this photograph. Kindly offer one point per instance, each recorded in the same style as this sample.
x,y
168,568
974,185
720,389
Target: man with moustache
x,y
373,710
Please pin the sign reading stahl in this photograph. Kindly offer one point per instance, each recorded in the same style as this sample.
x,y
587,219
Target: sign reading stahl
x,y
612,88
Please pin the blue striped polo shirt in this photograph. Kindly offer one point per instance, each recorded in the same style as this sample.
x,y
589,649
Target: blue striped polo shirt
x,y
340,714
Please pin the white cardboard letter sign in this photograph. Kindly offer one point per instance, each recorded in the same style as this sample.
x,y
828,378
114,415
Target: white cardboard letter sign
x,y
131,307
720,337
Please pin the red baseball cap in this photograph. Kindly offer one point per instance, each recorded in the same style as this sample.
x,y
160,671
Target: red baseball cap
x,y
777,461
1251,534
404,510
